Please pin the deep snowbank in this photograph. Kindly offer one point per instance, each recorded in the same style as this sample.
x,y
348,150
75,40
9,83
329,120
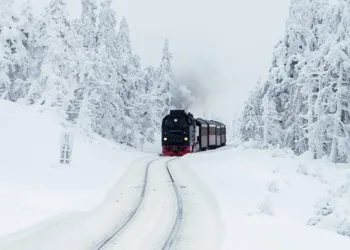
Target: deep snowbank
x,y
268,198
33,186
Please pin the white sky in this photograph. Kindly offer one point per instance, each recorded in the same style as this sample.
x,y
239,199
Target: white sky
x,y
220,47
225,44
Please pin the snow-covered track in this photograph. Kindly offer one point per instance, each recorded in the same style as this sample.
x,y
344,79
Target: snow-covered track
x,y
106,241
176,227
157,178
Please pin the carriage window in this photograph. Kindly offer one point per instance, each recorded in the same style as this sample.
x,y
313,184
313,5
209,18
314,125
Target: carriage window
x,y
212,130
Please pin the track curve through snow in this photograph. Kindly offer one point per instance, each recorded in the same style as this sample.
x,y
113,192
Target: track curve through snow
x,y
156,225
159,203
132,213
176,228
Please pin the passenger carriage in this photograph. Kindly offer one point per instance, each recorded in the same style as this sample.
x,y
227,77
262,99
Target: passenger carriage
x,y
202,129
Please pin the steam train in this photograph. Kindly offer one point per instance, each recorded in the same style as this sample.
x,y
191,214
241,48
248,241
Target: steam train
x,y
183,134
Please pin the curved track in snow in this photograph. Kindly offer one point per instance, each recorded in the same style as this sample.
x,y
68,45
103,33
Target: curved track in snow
x,y
176,228
156,196
158,204
132,213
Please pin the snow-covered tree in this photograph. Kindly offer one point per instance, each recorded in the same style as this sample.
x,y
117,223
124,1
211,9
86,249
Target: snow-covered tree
x,y
295,136
251,119
56,82
14,56
131,76
337,62
309,80
87,115
113,112
271,129
149,79
28,29
164,87
88,23
106,35
84,69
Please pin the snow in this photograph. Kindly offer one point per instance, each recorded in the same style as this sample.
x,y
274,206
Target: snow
x,y
267,198
151,224
270,233
33,185
202,226
233,198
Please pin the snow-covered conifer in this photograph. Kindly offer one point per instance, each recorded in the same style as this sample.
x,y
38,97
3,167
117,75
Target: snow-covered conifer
x,y
308,81
338,66
88,23
271,123
165,82
28,31
85,70
14,56
110,111
55,84
251,124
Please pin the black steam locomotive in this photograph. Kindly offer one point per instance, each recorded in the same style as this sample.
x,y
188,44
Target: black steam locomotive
x,y
183,134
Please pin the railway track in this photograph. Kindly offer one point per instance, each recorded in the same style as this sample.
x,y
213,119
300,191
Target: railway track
x,y
176,228
172,235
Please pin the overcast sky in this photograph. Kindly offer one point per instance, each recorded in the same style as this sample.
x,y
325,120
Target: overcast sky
x,y
224,45
220,47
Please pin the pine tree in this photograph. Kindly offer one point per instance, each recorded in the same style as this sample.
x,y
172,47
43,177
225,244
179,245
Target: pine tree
x,y
85,93
295,136
14,56
131,78
307,87
106,36
165,83
251,125
28,30
148,99
87,115
110,111
85,70
271,129
88,23
338,65
56,82
149,79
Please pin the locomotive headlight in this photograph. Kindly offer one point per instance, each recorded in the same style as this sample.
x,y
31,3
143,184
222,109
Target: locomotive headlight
x,y
165,139
186,138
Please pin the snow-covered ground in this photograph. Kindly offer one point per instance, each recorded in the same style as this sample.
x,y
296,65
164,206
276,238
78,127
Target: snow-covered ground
x,y
269,199
34,186
235,198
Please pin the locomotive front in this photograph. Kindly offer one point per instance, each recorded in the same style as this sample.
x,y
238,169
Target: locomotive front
x,y
178,133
